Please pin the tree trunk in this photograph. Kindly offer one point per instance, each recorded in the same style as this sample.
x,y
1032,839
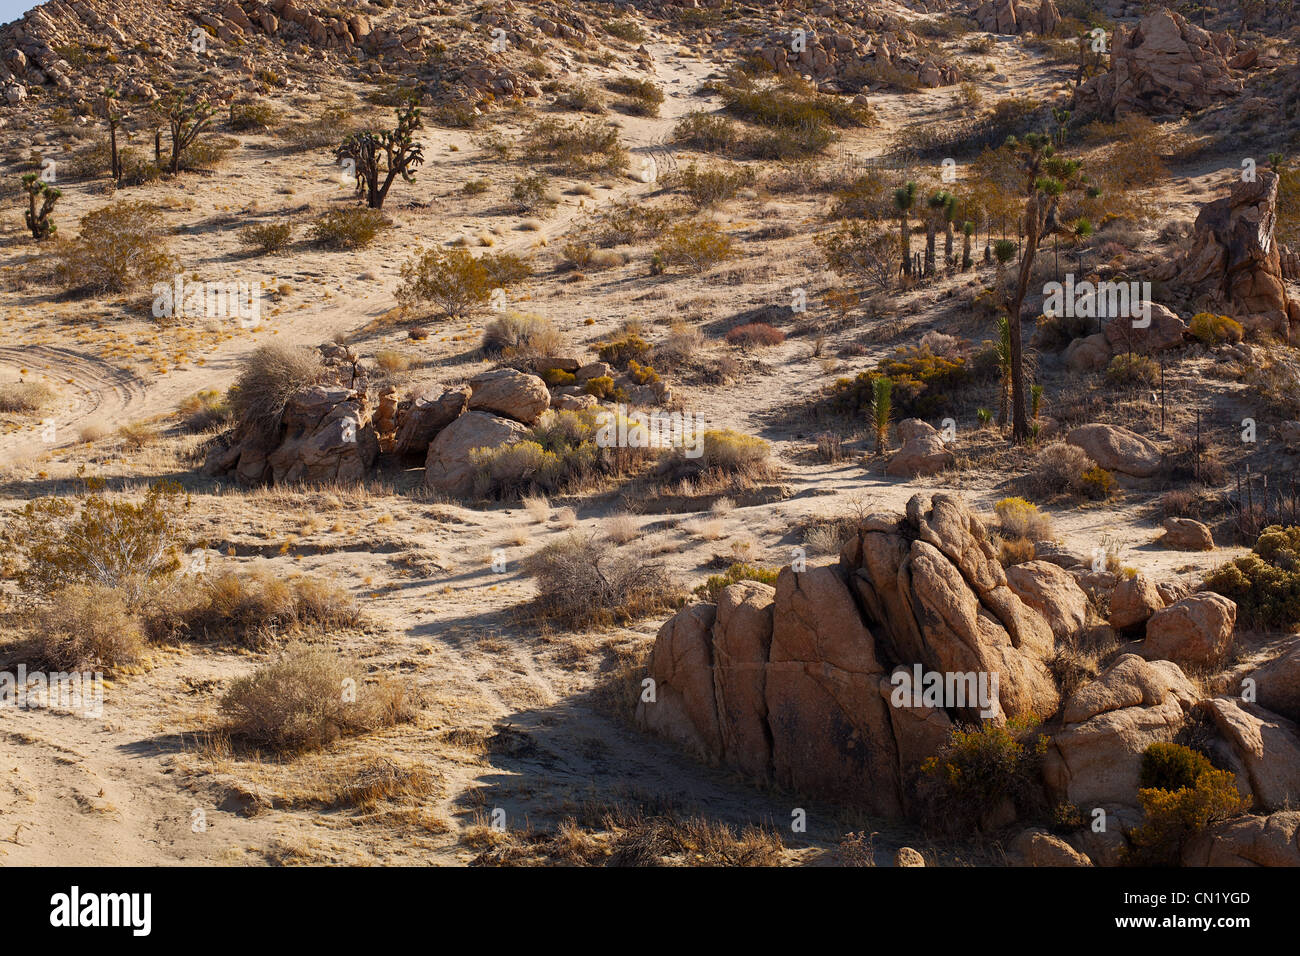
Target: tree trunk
x,y
905,245
929,247
1019,420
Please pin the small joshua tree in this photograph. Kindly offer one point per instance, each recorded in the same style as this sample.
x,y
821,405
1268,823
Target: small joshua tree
x,y
904,200
379,156
38,220
187,117
967,230
882,390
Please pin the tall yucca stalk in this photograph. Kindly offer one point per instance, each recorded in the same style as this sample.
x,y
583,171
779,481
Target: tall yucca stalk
x,y
904,200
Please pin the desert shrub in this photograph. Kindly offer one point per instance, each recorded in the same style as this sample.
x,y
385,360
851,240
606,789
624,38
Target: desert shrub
x,y
87,625
533,193
861,252
352,227
326,129
249,115
1021,520
25,398
128,546
1057,469
207,152
582,147
255,607
695,245
754,335
455,280
707,187
800,120
921,383
1129,369
642,374
121,246
624,223
1181,794
517,335
1211,329
626,30
476,187
309,698
203,410
978,769
270,375
641,97
621,351
581,98
392,361
733,452
708,132
557,377
1265,583
586,581
715,584
1097,483
604,388
266,237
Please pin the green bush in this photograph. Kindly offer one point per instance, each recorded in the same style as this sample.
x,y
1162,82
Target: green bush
x,y
620,352
921,383
1211,329
247,115
583,147
1132,370
266,237
1265,583
456,281
120,246
715,184
1181,795
708,132
352,227
695,245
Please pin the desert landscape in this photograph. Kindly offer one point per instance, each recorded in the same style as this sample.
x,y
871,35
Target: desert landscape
x,y
651,433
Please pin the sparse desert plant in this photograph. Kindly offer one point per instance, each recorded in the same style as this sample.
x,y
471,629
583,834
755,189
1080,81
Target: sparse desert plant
x,y
582,147
129,546
1131,370
188,116
1181,794
253,607
642,97
582,98
714,184
456,281
267,237
978,770
392,361
519,335
204,410
348,228
707,131
740,571
858,251
310,697
378,157
87,625
584,581
120,246
732,452
533,193
270,376
881,410
538,507
1265,583
695,245
249,114
1057,469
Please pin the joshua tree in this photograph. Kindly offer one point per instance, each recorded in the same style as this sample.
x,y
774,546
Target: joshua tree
x,y
881,410
114,119
949,215
904,200
935,205
380,156
1082,230
1002,349
38,220
967,230
187,117
1047,178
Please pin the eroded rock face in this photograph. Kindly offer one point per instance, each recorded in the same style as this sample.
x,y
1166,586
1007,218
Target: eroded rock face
x,y
1053,593
509,393
428,413
1163,65
1233,265
1277,684
802,674
682,668
1009,17
1164,332
1262,748
1115,448
1037,847
1133,602
1097,758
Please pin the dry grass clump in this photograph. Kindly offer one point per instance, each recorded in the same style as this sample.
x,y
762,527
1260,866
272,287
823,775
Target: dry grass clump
x,y
87,625
518,335
755,335
584,581
1020,520
120,246
392,361
270,376
25,398
732,452
1057,469
309,698
256,607
204,410
352,227
694,245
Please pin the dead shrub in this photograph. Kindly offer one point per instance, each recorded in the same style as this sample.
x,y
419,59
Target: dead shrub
x,y
87,625
584,581
270,376
120,246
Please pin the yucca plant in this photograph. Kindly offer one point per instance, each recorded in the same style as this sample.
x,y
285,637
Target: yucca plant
x,y
881,410
38,218
904,200
1002,349
1035,400
967,230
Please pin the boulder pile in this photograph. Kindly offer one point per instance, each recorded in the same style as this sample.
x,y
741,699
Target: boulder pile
x,y
1165,65
1010,17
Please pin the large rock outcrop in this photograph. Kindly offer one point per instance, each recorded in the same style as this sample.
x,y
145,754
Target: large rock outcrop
x,y
1233,265
1273,840
805,676
1163,65
449,467
1010,17
1115,448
